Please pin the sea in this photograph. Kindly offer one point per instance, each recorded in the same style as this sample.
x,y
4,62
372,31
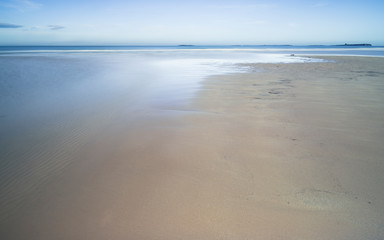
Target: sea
x,y
283,49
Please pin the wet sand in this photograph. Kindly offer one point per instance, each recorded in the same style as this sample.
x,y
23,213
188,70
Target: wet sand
x,y
286,151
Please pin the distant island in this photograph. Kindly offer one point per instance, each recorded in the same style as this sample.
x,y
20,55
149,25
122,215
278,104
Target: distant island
x,y
356,45
186,45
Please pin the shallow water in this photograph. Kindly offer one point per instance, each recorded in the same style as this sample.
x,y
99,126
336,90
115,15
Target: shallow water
x,y
40,78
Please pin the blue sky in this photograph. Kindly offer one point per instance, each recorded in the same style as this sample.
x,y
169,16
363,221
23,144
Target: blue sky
x,y
142,22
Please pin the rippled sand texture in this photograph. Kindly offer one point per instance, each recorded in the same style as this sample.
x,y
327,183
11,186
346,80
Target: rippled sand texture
x,y
287,151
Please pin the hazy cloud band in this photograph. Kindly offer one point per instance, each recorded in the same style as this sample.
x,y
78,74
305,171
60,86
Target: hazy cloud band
x,y
9,25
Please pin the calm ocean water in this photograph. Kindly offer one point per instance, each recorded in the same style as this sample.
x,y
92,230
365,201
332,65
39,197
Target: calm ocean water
x,y
284,49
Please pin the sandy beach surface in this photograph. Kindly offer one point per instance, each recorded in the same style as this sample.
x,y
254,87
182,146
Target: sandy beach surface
x,y
284,151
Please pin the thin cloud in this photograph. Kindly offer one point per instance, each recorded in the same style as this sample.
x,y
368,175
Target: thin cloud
x,y
55,27
263,5
35,28
257,22
44,28
22,5
321,4
9,25
249,6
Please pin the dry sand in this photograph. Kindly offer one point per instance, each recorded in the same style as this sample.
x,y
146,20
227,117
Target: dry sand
x,y
286,151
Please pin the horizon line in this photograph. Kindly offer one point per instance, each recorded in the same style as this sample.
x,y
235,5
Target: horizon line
x,y
178,45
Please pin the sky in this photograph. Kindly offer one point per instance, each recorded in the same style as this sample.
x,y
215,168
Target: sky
x,y
169,22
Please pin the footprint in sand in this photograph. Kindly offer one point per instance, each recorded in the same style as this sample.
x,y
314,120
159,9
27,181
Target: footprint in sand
x,y
274,91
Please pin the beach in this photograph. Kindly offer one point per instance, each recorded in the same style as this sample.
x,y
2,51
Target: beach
x,y
280,151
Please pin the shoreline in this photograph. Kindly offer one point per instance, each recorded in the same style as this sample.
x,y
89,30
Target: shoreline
x,y
284,151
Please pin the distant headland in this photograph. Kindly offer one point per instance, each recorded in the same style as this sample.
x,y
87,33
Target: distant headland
x,y
356,45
